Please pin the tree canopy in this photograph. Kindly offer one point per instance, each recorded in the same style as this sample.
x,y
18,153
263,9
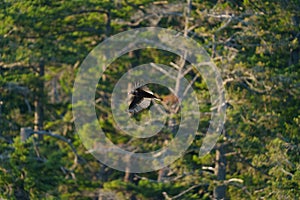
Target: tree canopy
x,y
255,46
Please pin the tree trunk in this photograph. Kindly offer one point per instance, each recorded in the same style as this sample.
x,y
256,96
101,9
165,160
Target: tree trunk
x,y
295,53
128,177
25,133
38,105
220,172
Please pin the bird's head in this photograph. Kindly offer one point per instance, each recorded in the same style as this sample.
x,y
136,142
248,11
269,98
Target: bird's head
x,y
133,92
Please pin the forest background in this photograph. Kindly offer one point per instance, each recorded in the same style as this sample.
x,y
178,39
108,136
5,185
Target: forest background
x,y
254,44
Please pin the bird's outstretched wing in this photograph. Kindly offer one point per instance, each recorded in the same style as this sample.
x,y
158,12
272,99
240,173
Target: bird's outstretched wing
x,y
142,98
147,93
139,103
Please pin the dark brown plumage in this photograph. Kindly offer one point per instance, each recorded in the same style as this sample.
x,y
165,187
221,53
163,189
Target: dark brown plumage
x,y
141,100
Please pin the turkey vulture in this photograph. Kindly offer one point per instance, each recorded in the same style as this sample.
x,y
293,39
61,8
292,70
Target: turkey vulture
x,y
141,100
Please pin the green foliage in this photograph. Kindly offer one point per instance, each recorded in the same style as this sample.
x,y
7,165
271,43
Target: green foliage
x,y
30,173
255,45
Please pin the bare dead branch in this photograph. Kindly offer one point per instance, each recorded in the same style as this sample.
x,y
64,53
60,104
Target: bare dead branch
x,y
224,25
174,65
190,84
62,139
162,70
187,190
211,169
13,65
187,70
234,180
14,87
220,16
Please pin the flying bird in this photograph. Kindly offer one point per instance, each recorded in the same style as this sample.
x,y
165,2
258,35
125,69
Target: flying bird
x,y
141,100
